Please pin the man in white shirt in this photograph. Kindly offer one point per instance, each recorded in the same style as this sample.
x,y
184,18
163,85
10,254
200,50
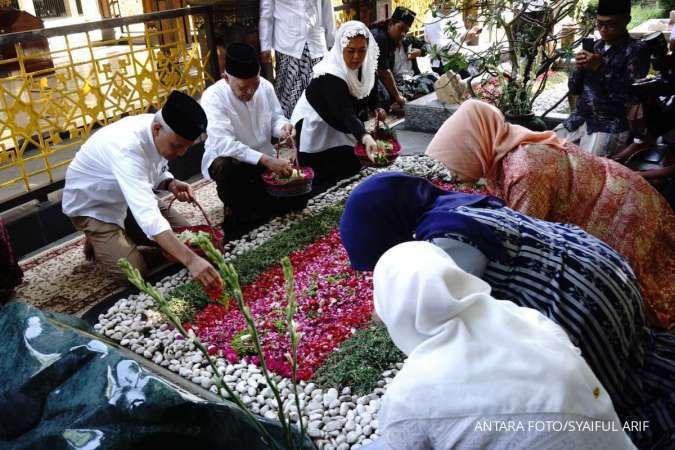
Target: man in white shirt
x,y
243,116
446,30
118,167
300,32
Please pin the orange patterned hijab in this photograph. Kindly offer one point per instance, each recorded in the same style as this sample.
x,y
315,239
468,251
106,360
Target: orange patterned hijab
x,y
475,138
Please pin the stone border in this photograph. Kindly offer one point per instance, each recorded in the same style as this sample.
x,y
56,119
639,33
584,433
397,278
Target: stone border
x,y
336,420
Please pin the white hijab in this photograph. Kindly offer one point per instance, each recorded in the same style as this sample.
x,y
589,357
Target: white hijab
x,y
470,355
334,63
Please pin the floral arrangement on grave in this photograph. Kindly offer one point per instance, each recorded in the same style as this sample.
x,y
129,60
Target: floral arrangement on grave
x,y
293,439
388,147
515,66
189,235
299,182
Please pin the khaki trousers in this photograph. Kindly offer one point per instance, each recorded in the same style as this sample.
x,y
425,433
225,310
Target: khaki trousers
x,y
110,242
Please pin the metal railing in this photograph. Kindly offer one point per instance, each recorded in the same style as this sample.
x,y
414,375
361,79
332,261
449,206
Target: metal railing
x,y
58,85
91,74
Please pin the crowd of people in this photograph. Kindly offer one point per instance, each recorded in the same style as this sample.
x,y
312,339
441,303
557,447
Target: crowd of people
x,y
552,298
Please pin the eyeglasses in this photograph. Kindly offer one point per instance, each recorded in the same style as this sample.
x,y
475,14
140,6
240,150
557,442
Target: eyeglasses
x,y
610,25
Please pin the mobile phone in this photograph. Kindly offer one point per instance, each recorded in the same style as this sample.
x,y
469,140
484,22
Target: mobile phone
x,y
587,44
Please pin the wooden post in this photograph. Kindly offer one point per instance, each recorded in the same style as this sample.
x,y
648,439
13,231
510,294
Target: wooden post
x,y
209,26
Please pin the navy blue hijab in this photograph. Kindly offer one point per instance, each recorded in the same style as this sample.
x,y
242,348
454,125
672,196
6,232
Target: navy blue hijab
x,y
390,208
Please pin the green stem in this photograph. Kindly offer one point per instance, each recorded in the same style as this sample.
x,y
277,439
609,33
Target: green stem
x,y
290,325
232,283
137,280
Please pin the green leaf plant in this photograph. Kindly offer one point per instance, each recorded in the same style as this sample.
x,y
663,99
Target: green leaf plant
x,y
231,284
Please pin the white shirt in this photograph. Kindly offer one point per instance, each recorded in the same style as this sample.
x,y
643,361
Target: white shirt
x,y
532,5
118,166
240,130
317,136
402,65
435,34
286,25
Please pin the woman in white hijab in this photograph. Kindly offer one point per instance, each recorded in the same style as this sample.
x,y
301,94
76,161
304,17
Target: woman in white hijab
x,y
481,373
327,115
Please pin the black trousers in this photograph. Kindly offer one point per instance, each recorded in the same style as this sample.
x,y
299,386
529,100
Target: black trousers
x,y
242,191
330,166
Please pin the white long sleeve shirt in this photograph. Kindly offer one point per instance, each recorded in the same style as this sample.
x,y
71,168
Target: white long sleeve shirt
x,y
240,130
118,167
435,29
286,25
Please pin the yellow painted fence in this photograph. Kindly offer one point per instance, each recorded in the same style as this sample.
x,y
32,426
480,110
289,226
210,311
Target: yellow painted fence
x,y
48,110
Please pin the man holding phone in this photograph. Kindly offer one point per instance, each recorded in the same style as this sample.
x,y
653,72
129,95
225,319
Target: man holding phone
x,y
605,70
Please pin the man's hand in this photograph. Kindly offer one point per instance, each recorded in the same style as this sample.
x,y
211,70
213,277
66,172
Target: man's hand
x,y
204,273
200,269
587,60
279,166
400,101
473,33
266,57
414,53
287,131
182,191
629,151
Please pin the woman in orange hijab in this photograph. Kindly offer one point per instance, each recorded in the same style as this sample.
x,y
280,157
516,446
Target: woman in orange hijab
x,y
545,177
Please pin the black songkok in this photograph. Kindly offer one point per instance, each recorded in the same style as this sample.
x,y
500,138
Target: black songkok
x,y
184,116
405,15
241,61
613,7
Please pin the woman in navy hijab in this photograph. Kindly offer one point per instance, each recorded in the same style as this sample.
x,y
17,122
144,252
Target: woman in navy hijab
x,y
560,270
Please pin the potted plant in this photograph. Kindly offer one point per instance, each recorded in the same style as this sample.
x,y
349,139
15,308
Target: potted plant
x,y
514,68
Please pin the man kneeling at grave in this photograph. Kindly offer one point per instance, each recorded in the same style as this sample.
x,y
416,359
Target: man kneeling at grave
x,y
244,115
120,167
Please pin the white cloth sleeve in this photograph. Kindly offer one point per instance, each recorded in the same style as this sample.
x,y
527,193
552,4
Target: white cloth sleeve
x,y
278,118
467,257
166,175
266,25
328,19
222,140
137,190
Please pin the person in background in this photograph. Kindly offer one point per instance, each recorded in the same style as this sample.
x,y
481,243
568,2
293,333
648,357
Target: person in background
x,y
405,57
244,115
654,127
410,82
300,32
543,176
389,34
602,79
327,116
561,271
476,360
117,168
436,33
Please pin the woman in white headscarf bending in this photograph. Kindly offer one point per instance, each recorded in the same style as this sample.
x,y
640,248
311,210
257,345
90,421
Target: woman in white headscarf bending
x,y
326,117
481,373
